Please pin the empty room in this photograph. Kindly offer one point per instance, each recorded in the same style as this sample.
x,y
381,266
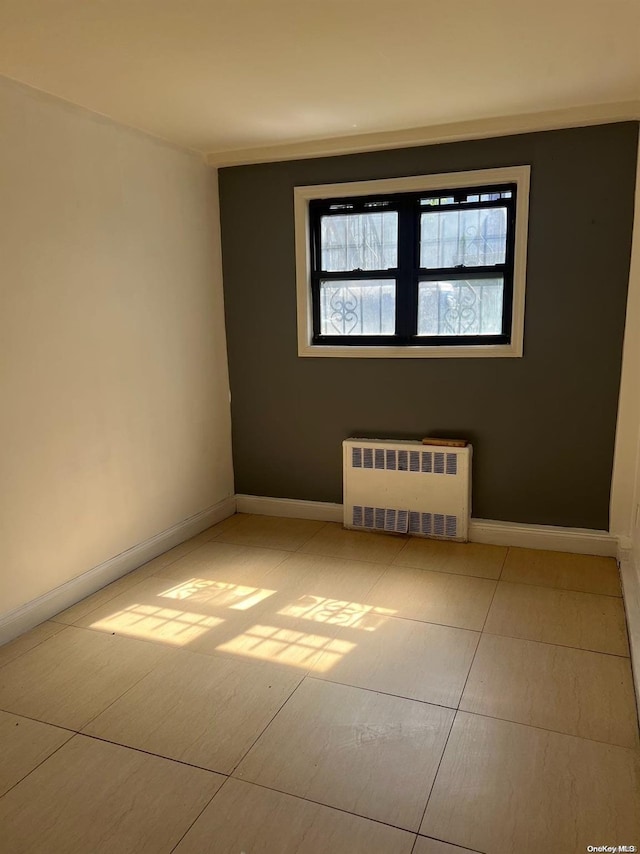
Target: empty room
x,y
320,427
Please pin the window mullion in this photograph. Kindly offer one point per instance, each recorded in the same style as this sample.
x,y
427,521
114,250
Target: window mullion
x,y
407,283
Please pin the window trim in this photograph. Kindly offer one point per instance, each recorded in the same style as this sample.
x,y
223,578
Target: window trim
x,y
519,175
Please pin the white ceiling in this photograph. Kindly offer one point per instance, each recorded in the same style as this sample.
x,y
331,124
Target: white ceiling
x,y
220,75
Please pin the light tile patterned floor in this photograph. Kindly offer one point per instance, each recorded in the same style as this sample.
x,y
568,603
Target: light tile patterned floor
x,y
280,686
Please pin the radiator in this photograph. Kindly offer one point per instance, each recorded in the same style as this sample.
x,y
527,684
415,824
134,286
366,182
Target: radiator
x,y
407,487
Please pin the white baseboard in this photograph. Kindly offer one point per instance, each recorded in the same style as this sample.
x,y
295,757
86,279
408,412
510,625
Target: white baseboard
x,y
548,537
259,505
630,575
32,613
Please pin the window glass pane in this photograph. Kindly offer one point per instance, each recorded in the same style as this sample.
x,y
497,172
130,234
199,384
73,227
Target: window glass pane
x,y
475,238
460,307
467,199
367,241
358,307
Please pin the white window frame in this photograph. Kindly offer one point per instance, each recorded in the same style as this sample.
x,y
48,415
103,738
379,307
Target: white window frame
x,y
519,175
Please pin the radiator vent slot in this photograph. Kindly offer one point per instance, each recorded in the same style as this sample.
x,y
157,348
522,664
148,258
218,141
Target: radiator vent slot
x,y
433,525
381,519
426,462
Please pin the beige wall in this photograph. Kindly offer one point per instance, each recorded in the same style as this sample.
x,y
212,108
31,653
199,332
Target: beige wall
x,y
633,321
114,411
625,493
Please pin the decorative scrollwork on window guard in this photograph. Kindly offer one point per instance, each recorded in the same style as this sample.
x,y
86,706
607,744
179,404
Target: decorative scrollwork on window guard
x,y
460,315
345,306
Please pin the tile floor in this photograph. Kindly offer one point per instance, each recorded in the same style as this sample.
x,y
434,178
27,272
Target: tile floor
x,y
279,685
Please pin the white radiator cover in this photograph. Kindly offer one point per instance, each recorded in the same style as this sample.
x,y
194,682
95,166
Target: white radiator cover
x,y
407,487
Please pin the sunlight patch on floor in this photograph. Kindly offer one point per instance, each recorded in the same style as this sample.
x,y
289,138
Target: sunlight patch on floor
x,y
149,622
353,615
218,593
285,646
154,620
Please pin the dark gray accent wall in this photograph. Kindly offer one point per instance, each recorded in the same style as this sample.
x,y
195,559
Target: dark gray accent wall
x,y
542,426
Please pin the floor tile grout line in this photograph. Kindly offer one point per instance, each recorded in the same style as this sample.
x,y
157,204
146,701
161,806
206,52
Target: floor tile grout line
x,y
404,547
428,623
552,643
146,753
435,776
504,563
210,801
546,729
72,735
130,688
270,548
332,556
321,528
266,727
276,548
38,720
486,616
102,604
162,756
314,555
63,626
438,571
563,645
446,842
322,804
114,634
559,589
315,678
475,652
214,655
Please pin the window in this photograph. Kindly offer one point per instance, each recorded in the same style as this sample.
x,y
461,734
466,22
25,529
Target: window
x,y
428,266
